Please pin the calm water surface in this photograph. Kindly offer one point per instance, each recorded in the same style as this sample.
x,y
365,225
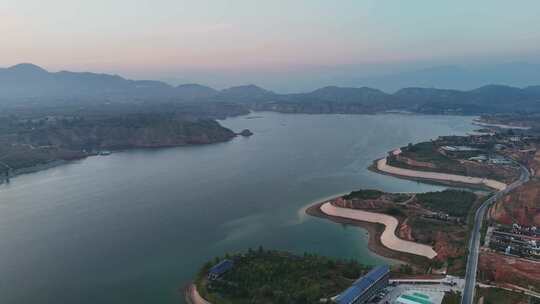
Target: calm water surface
x,y
134,227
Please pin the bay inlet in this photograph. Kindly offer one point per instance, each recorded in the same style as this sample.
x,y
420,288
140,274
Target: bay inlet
x,y
135,226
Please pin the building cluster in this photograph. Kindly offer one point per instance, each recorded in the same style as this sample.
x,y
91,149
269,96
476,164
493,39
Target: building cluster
x,y
525,230
483,148
496,141
494,160
458,149
48,119
470,147
441,216
518,241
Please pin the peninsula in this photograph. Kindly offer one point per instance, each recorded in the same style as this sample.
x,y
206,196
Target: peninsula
x,y
474,161
30,141
426,230
491,160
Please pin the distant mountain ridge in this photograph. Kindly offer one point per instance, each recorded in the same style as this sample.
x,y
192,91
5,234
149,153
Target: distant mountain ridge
x,y
28,81
31,81
457,77
486,99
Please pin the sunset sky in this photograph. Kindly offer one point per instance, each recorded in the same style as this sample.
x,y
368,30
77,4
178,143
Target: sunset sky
x,y
201,40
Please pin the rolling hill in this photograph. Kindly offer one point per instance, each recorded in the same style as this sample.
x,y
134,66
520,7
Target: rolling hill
x,y
25,82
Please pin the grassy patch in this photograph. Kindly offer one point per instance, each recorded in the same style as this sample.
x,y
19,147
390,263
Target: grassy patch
x,y
453,202
395,211
364,194
483,232
427,152
425,224
400,197
452,298
501,296
276,277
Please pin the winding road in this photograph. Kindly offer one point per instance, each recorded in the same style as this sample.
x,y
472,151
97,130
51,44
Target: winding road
x,y
474,242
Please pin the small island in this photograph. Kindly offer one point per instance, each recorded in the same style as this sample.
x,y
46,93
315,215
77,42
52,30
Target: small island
x,y
245,133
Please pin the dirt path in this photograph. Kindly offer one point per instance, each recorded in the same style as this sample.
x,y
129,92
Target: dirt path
x,y
388,236
408,201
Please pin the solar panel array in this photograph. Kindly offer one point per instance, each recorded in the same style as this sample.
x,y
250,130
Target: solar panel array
x,y
222,267
362,284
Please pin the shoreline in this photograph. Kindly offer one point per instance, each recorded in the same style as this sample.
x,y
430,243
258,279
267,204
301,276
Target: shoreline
x,y
388,237
38,168
481,123
192,295
61,162
434,182
381,166
375,231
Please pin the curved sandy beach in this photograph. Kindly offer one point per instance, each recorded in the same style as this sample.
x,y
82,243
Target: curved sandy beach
x,y
193,296
388,237
384,167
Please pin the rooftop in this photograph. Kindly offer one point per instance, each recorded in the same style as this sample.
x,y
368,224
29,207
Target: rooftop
x,y
362,284
221,267
459,148
415,298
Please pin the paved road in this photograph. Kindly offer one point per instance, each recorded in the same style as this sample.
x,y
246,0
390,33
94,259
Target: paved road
x,y
474,242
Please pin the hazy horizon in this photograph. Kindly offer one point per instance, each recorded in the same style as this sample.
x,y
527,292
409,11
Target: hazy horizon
x,y
281,45
269,151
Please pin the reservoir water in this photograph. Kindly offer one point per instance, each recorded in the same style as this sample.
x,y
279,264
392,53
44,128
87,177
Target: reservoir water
x,y
135,226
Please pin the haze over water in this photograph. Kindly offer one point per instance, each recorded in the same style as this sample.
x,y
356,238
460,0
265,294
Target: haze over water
x,y
134,227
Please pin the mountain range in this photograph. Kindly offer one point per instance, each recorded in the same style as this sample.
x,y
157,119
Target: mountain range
x,y
24,82
457,77
30,81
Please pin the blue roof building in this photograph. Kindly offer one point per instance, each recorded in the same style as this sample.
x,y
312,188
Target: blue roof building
x,y
365,287
219,269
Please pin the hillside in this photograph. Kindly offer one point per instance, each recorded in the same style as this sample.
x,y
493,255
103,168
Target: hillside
x,y
25,83
457,77
522,206
267,276
485,100
29,142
